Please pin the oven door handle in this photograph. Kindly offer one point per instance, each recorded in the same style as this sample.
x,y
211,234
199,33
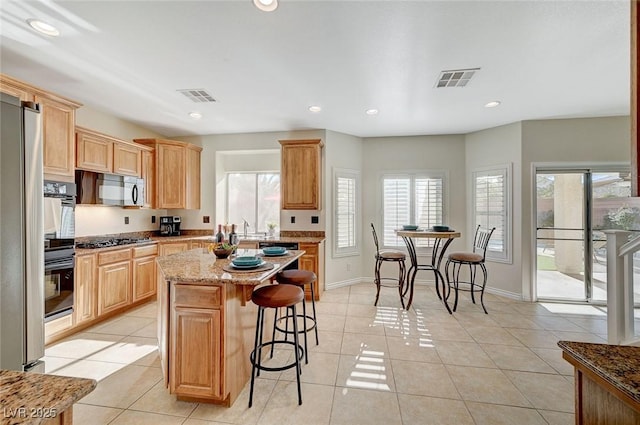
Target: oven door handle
x,y
59,265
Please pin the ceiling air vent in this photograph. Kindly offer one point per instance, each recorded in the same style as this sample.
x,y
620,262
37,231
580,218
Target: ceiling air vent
x,y
197,95
456,77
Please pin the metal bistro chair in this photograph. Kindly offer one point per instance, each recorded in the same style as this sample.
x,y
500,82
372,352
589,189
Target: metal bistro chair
x,y
392,256
473,260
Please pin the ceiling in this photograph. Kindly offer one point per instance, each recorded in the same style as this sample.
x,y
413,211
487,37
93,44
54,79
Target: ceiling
x,y
541,59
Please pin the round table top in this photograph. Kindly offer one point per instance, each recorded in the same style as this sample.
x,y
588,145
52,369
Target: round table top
x,y
427,234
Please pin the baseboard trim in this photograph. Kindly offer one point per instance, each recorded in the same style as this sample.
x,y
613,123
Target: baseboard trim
x,y
503,293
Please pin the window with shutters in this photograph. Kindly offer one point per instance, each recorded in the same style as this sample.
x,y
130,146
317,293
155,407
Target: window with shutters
x,y
414,198
346,188
491,190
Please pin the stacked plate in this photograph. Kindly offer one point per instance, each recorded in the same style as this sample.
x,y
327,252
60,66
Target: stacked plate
x,y
274,251
247,262
409,227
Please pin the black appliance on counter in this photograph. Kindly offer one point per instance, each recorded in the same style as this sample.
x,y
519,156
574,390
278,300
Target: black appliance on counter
x,y
59,251
170,225
287,245
109,189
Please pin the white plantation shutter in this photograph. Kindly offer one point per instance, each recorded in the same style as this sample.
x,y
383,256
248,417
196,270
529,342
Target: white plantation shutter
x,y
396,199
345,227
491,205
411,199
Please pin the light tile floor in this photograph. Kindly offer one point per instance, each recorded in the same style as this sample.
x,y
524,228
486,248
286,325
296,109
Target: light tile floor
x,y
374,365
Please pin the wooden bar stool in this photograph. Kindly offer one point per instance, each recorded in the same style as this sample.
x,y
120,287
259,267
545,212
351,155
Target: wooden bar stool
x,y
299,278
275,296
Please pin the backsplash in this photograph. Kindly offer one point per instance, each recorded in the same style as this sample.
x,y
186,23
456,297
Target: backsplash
x,y
100,220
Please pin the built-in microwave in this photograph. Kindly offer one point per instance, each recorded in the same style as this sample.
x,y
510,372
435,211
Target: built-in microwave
x,y
109,189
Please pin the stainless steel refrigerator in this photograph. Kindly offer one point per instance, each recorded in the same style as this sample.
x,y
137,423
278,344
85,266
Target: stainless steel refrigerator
x,y
21,236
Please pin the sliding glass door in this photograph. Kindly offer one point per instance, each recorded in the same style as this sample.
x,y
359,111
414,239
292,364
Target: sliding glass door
x,y
572,206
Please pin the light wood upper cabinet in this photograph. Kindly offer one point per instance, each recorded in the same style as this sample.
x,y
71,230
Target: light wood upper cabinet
x,y
105,154
177,173
300,174
58,121
127,160
148,173
94,152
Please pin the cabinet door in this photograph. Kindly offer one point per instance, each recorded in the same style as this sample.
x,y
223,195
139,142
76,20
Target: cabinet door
x,y
171,161
300,175
172,248
127,160
85,293
114,282
309,261
144,277
193,179
148,173
58,122
94,153
196,348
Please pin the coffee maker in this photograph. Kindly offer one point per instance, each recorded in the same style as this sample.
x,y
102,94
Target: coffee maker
x,y
170,225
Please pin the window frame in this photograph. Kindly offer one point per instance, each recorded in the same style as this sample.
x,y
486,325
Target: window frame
x,y
353,250
506,255
254,215
413,175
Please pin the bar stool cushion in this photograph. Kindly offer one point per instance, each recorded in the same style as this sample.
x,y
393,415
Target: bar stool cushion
x,y
274,296
466,257
296,277
391,255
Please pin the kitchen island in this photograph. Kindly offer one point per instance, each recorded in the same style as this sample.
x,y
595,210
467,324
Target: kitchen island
x,y
607,382
206,322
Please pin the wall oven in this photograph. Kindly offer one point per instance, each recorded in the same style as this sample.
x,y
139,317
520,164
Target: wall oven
x,y
59,250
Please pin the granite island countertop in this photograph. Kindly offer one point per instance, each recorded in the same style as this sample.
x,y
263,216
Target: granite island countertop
x,y
32,398
200,266
617,364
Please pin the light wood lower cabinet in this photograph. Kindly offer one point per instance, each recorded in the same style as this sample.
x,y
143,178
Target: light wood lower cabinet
x,y
85,291
168,248
114,283
196,346
144,271
313,260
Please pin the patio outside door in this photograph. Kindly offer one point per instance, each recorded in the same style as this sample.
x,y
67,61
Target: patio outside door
x,y
572,205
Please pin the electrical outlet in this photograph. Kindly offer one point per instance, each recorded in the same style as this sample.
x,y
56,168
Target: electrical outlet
x,y
205,219
126,220
153,219
315,219
293,219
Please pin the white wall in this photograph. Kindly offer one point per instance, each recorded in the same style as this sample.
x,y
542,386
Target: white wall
x,y
95,220
445,153
499,146
212,177
341,151
577,141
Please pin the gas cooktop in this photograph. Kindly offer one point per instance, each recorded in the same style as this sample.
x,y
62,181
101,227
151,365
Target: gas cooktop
x,y
104,243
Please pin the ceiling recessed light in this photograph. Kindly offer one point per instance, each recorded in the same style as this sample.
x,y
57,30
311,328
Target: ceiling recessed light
x,y
371,111
43,27
314,108
492,104
266,5
195,115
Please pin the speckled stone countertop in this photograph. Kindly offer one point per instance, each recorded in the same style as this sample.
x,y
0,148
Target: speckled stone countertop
x,y
617,364
197,265
184,238
31,398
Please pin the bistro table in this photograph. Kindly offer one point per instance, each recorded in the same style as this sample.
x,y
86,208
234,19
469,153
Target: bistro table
x,y
440,245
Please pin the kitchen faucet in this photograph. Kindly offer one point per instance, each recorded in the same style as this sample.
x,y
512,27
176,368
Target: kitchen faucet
x,y
245,226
